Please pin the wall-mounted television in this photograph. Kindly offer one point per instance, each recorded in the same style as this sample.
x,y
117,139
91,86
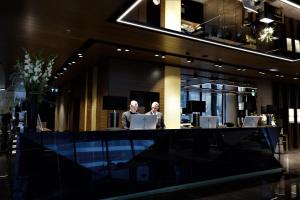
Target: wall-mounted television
x,y
195,106
114,103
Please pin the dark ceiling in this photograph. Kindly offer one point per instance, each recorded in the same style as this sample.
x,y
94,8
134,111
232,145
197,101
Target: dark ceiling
x,y
62,27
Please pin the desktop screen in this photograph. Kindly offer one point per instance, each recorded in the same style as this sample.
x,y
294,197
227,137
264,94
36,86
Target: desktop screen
x,y
141,121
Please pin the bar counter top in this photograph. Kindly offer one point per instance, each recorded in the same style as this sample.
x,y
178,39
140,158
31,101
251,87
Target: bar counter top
x,y
115,163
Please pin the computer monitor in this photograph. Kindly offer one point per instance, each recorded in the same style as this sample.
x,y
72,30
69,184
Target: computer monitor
x,y
208,121
250,121
141,121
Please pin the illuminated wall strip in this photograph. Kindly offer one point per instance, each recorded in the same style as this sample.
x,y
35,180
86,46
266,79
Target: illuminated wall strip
x,y
291,4
120,20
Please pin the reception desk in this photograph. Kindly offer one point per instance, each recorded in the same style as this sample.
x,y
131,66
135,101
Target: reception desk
x,y
134,163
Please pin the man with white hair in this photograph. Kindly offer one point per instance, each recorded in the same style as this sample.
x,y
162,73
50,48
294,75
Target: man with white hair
x,y
160,118
126,116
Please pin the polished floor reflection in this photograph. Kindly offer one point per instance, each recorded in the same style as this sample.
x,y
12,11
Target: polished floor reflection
x,y
287,187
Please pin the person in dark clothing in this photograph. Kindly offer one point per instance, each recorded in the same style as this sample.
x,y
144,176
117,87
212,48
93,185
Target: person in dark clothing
x,y
126,116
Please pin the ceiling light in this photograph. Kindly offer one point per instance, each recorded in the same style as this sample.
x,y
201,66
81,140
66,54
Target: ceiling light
x,y
238,69
163,56
277,75
127,50
189,60
274,70
65,69
295,78
69,63
156,2
2,89
218,65
79,54
120,19
282,76
73,62
156,55
262,73
266,20
119,49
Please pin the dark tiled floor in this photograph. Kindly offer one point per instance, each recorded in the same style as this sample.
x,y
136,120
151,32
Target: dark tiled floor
x,y
285,187
4,178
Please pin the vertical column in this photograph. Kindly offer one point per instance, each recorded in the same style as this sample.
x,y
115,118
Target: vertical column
x,y
94,99
171,19
86,100
172,97
171,14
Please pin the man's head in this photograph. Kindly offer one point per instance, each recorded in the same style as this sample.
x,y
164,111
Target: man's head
x,y
154,106
133,106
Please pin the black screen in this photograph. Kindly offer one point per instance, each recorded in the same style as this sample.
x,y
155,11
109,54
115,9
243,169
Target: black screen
x,y
195,106
114,103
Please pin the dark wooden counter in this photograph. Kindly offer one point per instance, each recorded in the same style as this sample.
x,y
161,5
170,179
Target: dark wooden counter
x,y
123,162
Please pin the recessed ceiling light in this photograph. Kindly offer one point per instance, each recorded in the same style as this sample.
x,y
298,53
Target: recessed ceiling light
x,y
163,56
263,73
266,20
79,54
65,69
127,50
189,60
69,63
282,76
2,89
119,49
277,75
295,78
274,70
55,77
218,65
73,62
156,2
156,55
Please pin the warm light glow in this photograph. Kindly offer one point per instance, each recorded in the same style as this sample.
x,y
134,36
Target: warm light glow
x,y
120,20
266,20
298,116
291,4
297,46
291,115
289,44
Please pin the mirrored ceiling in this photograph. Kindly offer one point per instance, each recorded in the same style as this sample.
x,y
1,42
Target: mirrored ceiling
x,y
255,26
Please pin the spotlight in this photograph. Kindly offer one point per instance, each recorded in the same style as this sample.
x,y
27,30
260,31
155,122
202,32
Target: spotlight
x,y
156,2
218,65
189,60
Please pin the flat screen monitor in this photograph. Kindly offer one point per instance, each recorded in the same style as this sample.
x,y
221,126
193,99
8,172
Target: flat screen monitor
x,y
208,121
141,121
114,103
250,121
195,106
